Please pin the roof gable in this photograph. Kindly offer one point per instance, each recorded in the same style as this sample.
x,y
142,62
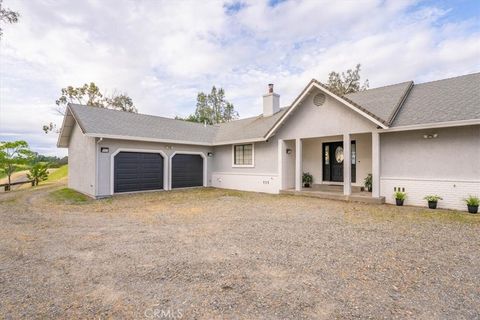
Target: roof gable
x,y
315,84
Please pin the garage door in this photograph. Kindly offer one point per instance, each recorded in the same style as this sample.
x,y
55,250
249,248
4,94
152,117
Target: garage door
x,y
187,171
137,171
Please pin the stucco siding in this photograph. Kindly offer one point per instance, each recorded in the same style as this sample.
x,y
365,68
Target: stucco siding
x,y
448,165
262,177
81,162
330,119
105,159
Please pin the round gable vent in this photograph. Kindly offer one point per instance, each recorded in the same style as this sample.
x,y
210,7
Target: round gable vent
x,y
319,99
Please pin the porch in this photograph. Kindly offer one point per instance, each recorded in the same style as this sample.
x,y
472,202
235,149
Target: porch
x,y
335,192
325,158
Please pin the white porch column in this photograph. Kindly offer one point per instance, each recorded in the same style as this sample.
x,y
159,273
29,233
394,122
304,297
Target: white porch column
x,y
281,154
298,164
375,164
347,165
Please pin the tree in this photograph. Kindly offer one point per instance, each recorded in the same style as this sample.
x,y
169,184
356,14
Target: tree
x,y
212,108
90,95
38,172
345,83
7,16
12,154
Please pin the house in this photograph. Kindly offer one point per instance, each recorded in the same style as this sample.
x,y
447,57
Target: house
x,y
421,138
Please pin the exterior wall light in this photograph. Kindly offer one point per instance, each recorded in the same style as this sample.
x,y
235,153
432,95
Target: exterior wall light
x,y
289,151
210,154
104,150
430,136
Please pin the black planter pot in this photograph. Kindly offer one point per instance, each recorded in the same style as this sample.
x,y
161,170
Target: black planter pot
x,y
307,185
472,209
369,189
399,202
432,204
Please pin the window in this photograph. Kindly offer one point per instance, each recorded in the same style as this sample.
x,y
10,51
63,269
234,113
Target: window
x,y
354,152
243,155
339,154
327,154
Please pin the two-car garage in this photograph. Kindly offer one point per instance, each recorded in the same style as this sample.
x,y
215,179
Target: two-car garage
x,y
142,171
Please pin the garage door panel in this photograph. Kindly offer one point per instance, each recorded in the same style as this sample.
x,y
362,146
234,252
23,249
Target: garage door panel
x,y
187,171
137,171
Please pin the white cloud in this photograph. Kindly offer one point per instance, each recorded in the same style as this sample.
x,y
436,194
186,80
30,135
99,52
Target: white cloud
x,y
163,52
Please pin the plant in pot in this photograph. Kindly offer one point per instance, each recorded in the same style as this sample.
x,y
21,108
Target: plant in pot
x,y
307,179
399,197
472,204
432,201
368,182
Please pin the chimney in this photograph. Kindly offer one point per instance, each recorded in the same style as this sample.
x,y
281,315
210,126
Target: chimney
x,y
271,102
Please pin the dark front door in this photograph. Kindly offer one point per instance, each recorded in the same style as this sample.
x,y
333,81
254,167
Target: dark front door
x,y
333,161
137,171
187,171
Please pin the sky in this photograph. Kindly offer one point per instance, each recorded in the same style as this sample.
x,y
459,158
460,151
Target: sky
x,y
162,53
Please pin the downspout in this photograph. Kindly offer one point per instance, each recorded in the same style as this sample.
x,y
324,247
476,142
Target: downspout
x,y
96,166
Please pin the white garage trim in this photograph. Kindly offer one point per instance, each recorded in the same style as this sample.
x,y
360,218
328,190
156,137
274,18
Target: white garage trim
x,y
188,152
112,165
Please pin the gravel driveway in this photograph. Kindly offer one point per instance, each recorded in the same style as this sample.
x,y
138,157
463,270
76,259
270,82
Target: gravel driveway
x,y
216,254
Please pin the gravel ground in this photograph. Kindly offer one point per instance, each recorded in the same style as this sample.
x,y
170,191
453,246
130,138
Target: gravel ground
x,y
217,254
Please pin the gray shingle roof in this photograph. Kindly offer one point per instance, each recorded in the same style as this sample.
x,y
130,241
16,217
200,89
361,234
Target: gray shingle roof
x,y
440,101
246,129
117,123
395,105
382,102
106,122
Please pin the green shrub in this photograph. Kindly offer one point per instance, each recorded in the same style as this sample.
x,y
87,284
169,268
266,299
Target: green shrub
x,y
472,201
432,198
368,182
398,195
38,172
307,178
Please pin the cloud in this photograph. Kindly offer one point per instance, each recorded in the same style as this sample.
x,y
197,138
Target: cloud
x,y
162,53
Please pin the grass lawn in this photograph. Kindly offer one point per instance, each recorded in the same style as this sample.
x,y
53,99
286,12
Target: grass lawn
x,y
18,168
58,174
67,195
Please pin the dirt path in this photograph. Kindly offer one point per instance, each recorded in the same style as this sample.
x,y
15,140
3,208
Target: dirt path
x,y
218,254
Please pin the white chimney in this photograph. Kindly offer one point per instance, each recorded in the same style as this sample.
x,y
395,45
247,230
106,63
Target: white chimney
x,y
271,102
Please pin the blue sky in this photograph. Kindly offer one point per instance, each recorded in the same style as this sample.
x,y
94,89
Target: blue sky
x,y
162,53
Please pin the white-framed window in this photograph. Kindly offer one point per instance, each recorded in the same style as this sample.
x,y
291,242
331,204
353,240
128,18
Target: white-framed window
x,y
243,155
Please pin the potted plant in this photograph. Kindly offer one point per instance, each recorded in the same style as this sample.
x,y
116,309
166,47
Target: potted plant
x,y
307,179
399,197
368,182
432,201
472,204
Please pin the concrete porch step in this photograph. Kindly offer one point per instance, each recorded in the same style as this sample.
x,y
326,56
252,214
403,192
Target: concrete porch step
x,y
359,197
334,188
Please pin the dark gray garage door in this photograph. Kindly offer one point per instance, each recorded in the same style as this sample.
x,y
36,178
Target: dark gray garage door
x,y
187,171
137,171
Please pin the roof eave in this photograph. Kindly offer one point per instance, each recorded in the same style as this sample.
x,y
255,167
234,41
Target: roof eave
x,y
445,124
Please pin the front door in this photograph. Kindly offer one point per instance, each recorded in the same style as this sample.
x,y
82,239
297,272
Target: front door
x,y
333,161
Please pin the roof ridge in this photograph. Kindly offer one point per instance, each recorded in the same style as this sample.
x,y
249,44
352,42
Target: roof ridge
x,y
400,103
382,87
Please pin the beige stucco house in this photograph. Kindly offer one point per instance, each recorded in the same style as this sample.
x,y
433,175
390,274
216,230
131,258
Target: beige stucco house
x,y
421,138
